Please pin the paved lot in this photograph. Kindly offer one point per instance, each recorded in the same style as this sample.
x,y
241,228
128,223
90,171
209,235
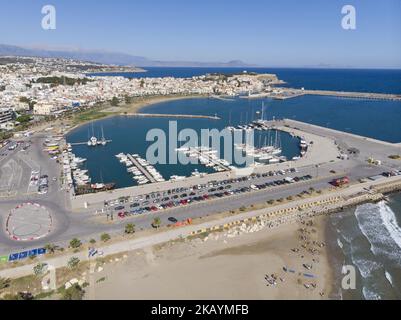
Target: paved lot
x,y
28,222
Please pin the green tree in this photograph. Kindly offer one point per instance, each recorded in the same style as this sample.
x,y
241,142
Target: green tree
x,y
24,118
92,241
114,102
75,243
24,100
128,99
74,292
105,237
73,263
130,228
5,135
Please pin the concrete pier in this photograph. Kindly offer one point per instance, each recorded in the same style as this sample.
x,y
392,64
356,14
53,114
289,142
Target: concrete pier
x,y
183,116
288,93
293,93
354,95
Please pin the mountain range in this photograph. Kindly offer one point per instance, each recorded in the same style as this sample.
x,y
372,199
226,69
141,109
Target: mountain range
x,y
115,58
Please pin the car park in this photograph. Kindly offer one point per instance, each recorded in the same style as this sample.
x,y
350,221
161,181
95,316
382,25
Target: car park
x,y
156,201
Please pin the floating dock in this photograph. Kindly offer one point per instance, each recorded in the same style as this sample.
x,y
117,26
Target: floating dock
x,y
141,168
216,162
86,143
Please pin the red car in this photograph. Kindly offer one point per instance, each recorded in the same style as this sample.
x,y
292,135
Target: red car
x,y
184,202
340,182
153,208
122,215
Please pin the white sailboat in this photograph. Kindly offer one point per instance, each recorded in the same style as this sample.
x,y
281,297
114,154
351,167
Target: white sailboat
x,y
92,142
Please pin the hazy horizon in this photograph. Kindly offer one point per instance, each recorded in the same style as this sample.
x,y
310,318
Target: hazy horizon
x,y
288,34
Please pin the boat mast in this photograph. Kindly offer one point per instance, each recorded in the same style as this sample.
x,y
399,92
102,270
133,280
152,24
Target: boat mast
x,y
263,108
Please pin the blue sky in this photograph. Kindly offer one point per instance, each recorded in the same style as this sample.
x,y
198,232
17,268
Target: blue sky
x,y
289,33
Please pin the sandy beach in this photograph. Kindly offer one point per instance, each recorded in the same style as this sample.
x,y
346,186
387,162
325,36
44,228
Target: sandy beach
x,y
140,103
249,266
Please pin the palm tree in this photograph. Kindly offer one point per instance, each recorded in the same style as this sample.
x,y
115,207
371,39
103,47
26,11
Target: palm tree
x,y
75,292
4,283
130,228
39,269
73,262
50,248
75,243
156,223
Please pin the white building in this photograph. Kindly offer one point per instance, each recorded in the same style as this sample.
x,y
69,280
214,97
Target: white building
x,y
6,118
41,108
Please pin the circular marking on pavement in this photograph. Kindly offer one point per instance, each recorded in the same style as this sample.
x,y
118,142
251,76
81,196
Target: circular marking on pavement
x,y
29,222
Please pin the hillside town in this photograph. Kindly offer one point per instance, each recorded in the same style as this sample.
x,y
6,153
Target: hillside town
x,y
44,86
